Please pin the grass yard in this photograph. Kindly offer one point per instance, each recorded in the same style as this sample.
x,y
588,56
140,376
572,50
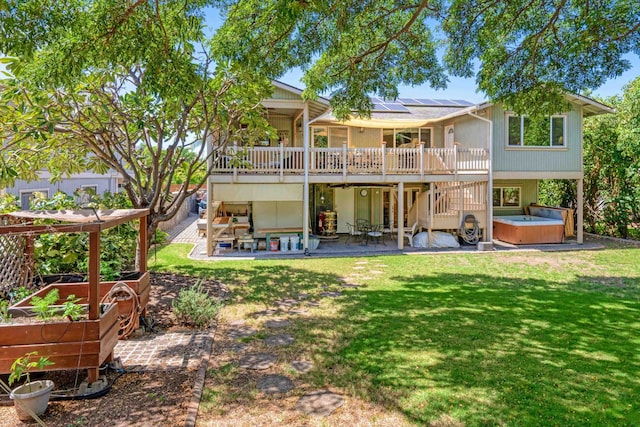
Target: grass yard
x,y
516,339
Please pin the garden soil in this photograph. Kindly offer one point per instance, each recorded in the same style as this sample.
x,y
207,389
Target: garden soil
x,y
159,398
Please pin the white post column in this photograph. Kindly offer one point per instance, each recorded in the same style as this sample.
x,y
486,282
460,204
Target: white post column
x,y
209,214
305,187
401,215
580,212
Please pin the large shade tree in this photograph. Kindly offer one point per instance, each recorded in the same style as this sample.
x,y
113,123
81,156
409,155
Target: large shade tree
x,y
524,53
126,85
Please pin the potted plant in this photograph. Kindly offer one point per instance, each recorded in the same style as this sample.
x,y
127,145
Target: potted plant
x,y
31,398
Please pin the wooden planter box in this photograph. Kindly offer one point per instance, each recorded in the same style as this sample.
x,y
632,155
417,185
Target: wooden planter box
x,y
72,285
82,344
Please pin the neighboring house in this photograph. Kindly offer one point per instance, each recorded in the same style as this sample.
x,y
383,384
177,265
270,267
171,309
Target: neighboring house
x,y
425,161
99,183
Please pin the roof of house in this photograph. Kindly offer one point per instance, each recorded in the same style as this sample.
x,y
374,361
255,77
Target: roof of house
x,y
412,112
590,107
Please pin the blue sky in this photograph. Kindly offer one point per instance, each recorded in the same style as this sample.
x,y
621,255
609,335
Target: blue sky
x,y
459,88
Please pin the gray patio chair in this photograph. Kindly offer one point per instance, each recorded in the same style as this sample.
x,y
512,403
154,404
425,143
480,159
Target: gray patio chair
x,y
353,232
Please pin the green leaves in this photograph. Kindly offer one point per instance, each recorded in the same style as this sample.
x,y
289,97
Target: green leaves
x,y
23,365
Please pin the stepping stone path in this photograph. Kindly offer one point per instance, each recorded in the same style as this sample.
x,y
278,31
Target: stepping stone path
x,y
362,262
277,323
287,303
376,271
332,294
240,331
304,296
269,312
301,312
258,361
301,366
279,340
359,267
313,303
237,347
350,285
321,402
272,384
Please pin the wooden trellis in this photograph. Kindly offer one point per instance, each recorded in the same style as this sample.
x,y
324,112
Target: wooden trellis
x,y
16,258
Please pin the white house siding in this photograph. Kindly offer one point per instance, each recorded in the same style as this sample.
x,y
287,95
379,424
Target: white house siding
x,y
368,138
470,132
257,192
280,93
538,159
284,124
276,214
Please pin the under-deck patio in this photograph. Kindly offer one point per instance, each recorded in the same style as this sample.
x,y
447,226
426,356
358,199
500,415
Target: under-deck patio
x,y
187,232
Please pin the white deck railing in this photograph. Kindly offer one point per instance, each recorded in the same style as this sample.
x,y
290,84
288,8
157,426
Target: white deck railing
x,y
352,161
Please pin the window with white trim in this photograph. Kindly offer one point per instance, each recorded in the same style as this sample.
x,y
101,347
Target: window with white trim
x,y
333,136
524,131
507,197
26,196
407,138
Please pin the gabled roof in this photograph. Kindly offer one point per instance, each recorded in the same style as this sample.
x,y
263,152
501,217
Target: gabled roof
x,y
590,107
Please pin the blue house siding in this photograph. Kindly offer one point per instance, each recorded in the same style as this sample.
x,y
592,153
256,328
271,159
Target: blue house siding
x,y
67,185
538,159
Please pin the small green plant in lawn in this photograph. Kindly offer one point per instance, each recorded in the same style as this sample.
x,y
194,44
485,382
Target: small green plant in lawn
x,y
195,307
22,365
43,306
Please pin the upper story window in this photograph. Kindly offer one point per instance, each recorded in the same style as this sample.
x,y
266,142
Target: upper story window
x,y
332,137
524,131
406,138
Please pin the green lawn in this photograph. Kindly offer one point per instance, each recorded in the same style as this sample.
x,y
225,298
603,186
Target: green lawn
x,y
482,339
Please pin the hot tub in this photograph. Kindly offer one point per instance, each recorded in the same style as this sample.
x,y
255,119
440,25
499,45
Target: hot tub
x,y
527,229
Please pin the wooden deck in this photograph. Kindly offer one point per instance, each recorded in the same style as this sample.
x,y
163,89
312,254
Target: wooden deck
x,y
353,161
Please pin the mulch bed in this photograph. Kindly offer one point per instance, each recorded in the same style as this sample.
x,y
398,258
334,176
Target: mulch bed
x,y
140,399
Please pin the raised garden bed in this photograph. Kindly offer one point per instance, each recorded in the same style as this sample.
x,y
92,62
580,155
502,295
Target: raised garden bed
x,y
76,284
79,344
70,345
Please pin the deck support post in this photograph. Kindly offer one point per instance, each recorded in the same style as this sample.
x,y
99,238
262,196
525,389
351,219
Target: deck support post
x,y
305,187
401,215
580,212
432,203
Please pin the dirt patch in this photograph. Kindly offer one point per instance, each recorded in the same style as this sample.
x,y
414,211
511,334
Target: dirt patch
x,y
135,399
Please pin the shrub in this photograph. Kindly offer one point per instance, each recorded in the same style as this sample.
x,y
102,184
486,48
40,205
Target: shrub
x,y
194,307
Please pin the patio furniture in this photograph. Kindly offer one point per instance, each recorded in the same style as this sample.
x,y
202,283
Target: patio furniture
x,y
245,242
388,232
375,234
362,224
353,232
409,232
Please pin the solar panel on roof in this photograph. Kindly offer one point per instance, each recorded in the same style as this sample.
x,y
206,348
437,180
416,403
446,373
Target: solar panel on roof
x,y
381,105
396,108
